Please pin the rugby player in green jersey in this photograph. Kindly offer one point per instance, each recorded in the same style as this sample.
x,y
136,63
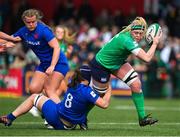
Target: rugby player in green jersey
x,y
111,59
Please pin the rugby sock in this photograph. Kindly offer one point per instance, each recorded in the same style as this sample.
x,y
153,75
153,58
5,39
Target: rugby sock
x,y
138,99
11,117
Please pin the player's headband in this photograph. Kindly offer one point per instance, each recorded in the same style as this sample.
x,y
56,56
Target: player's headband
x,y
137,27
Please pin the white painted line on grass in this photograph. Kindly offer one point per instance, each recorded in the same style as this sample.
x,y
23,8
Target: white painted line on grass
x,y
89,136
148,108
103,123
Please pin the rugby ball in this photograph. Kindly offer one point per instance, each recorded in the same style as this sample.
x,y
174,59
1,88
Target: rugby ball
x,y
153,31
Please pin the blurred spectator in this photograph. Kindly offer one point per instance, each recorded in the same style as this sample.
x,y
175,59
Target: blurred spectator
x,y
156,75
168,56
103,18
105,33
65,39
18,8
165,30
177,70
119,19
83,52
83,31
86,11
5,12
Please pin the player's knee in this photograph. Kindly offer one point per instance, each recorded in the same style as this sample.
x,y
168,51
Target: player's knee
x,y
130,78
136,86
35,89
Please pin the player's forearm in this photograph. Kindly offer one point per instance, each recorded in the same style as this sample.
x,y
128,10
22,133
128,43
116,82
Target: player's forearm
x,y
6,36
107,98
151,52
55,57
2,41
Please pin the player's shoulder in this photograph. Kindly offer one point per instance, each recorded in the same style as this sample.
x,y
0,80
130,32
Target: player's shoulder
x,y
42,25
85,87
126,35
126,38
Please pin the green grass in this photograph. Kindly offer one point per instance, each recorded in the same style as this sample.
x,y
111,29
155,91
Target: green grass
x,y
120,119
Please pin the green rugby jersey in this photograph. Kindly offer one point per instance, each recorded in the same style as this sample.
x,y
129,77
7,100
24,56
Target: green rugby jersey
x,y
116,51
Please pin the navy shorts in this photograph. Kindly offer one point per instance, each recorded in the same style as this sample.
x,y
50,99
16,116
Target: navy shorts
x,y
62,68
50,113
98,72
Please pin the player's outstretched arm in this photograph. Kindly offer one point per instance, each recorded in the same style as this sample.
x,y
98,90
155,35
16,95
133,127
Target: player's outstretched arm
x,y
8,37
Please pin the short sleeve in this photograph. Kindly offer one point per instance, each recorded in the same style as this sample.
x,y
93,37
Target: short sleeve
x,y
91,96
19,33
48,34
131,45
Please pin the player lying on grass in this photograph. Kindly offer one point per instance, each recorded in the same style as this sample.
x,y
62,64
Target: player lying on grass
x,y
72,110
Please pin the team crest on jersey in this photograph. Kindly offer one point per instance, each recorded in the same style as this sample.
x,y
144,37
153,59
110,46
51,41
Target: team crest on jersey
x,y
135,43
93,94
36,36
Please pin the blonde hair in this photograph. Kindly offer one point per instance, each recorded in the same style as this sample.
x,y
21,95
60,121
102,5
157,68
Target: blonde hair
x,y
32,12
136,22
68,38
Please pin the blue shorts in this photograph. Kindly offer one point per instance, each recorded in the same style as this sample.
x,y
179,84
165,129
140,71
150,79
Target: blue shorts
x,y
98,72
50,113
62,68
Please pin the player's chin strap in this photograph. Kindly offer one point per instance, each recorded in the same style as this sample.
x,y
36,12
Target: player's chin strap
x,y
130,77
36,99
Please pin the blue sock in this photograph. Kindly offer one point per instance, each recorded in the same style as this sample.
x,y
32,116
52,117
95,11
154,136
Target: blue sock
x,y
11,117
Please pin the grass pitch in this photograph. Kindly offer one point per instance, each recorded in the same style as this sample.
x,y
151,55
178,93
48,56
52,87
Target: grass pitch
x,y
120,119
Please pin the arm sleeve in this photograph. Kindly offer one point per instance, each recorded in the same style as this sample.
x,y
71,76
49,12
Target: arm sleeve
x,y
131,45
18,33
92,96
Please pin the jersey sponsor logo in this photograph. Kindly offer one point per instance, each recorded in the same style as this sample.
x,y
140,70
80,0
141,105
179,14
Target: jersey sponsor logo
x,y
33,43
93,94
135,43
36,36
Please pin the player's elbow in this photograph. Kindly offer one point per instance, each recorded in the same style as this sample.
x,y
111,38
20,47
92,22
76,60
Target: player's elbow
x,y
105,105
147,59
102,103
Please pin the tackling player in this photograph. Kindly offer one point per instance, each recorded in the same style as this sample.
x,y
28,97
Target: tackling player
x,y
72,110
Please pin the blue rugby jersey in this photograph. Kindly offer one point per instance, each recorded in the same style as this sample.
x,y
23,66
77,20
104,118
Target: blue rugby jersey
x,y
38,40
74,106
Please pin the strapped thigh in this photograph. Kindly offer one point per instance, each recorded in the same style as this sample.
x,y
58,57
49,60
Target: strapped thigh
x,y
97,89
130,77
36,99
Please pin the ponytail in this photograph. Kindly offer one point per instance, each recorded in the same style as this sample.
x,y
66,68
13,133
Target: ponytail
x,y
76,79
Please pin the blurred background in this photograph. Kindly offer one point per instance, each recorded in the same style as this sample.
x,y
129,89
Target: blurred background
x,y
93,23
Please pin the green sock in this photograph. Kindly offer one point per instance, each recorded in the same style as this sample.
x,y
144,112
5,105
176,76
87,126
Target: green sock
x,y
138,99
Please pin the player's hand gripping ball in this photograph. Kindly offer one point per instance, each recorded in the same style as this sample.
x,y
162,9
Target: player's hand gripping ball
x,y
153,31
